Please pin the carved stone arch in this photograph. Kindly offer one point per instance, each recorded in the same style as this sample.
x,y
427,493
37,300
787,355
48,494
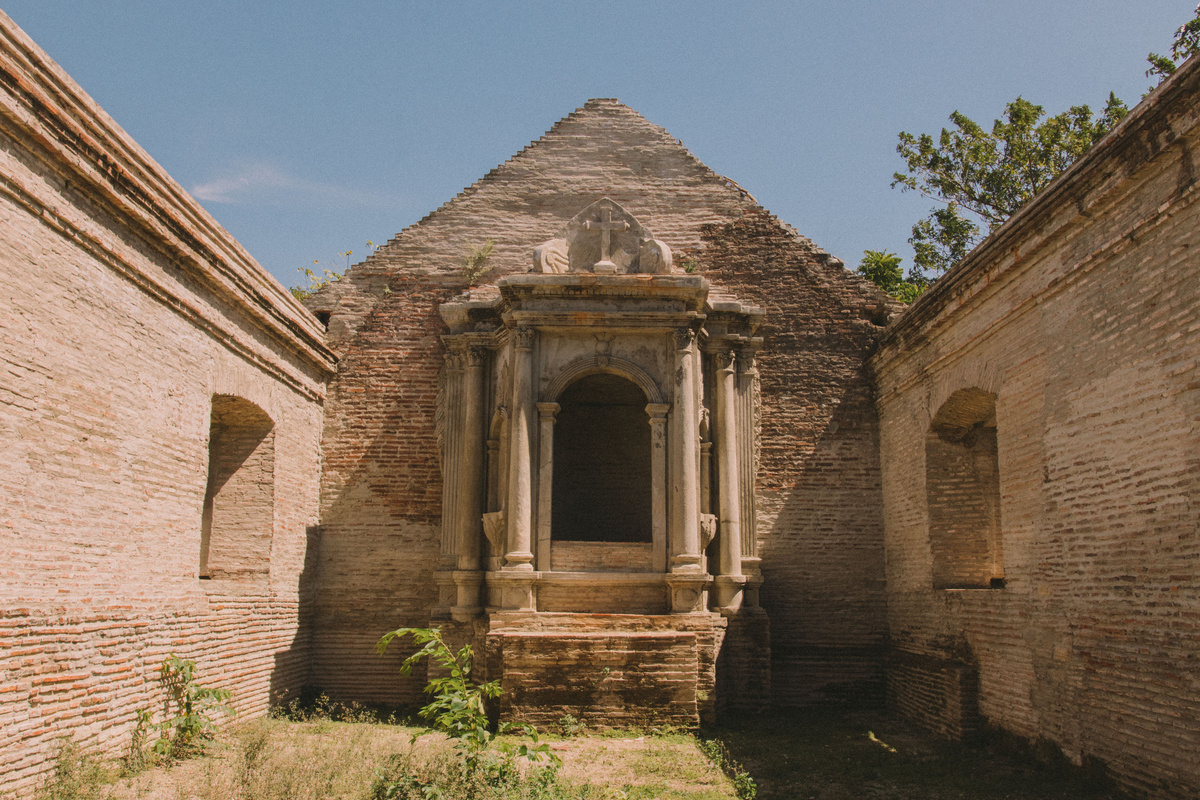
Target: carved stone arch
x,y
598,364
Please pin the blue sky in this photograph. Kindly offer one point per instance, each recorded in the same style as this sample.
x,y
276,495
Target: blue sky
x,y
308,128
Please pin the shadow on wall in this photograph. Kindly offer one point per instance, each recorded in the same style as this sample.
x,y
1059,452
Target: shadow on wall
x,y
823,565
292,672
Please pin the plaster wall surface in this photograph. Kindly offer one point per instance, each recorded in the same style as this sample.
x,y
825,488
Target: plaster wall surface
x,y
1082,318
125,309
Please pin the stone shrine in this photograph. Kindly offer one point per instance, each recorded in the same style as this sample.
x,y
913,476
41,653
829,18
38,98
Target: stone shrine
x,y
660,458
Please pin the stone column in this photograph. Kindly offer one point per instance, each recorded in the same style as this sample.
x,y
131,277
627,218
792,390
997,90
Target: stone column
x,y
730,582
515,579
687,580
546,414
749,402
520,477
468,577
658,482
449,414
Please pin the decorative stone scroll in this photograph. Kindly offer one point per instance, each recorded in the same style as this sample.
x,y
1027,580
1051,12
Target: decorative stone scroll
x,y
603,238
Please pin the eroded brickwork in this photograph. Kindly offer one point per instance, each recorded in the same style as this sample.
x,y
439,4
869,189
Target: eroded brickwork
x,y
125,310
819,523
1082,317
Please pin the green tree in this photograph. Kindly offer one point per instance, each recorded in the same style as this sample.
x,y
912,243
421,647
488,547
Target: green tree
x,y
984,176
1187,43
883,269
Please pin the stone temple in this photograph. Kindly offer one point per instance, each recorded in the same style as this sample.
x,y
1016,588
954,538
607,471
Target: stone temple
x,y
660,458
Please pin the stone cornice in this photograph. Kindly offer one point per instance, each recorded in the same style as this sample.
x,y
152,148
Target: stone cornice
x,y
96,160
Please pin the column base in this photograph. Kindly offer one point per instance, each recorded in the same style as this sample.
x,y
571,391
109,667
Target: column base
x,y
518,561
686,591
447,594
468,584
513,589
730,591
752,567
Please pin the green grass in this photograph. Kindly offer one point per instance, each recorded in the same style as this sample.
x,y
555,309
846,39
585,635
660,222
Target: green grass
x,y
802,756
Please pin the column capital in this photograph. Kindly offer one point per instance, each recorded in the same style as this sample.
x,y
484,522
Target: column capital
x,y
684,338
548,410
658,412
476,355
726,361
523,337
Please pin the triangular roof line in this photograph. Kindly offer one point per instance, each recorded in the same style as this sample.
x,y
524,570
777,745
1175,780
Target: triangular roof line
x,y
593,107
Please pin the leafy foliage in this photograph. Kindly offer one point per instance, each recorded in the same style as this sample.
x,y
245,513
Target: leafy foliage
x,y
983,176
475,262
188,731
483,765
329,273
883,269
1186,44
718,753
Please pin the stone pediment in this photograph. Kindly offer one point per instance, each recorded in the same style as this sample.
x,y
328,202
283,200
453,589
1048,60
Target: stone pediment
x,y
603,238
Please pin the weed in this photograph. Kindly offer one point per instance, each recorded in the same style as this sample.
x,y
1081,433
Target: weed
x,y
481,764
76,776
474,263
186,732
568,725
743,784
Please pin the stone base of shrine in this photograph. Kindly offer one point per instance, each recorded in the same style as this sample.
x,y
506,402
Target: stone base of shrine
x,y
607,670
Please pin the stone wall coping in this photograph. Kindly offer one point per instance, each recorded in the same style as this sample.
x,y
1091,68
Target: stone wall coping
x,y
98,158
1166,116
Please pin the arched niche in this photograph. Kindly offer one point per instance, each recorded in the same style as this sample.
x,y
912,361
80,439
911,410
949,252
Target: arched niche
x,y
962,484
602,483
601,365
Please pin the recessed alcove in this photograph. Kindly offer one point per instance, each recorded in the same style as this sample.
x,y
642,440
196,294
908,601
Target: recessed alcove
x,y
602,477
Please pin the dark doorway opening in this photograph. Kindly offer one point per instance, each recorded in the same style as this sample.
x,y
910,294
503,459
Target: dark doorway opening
x,y
601,490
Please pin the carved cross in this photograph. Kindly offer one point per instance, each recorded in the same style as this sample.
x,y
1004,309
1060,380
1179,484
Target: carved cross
x,y
605,225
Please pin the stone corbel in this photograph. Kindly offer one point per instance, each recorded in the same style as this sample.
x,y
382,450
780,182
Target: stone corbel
x,y
708,529
494,528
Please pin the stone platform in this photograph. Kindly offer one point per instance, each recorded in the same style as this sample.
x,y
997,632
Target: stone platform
x,y
606,670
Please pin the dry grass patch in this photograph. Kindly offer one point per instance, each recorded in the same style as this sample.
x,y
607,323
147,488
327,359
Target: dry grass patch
x,y
273,759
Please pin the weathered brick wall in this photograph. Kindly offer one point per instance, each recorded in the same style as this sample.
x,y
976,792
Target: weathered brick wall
x,y
125,309
820,525
1082,316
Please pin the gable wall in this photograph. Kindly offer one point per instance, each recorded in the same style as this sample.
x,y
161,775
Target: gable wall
x,y
124,310
1082,316
381,496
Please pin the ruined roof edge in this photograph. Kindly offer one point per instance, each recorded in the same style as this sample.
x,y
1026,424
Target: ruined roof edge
x,y
478,184
37,95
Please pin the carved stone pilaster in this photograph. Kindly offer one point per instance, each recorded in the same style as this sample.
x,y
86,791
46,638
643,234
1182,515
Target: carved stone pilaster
x,y
729,541
685,553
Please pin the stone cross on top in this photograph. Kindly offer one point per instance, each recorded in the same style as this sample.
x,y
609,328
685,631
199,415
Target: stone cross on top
x,y
623,245
606,225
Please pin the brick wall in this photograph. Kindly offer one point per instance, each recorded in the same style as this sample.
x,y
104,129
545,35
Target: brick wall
x,y
124,310
819,518
1082,317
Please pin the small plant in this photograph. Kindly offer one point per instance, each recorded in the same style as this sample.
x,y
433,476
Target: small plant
x,y
137,759
475,262
459,710
188,731
568,725
329,273
743,784
689,265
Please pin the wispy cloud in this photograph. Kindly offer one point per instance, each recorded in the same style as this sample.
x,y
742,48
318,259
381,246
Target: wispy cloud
x,y
263,184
